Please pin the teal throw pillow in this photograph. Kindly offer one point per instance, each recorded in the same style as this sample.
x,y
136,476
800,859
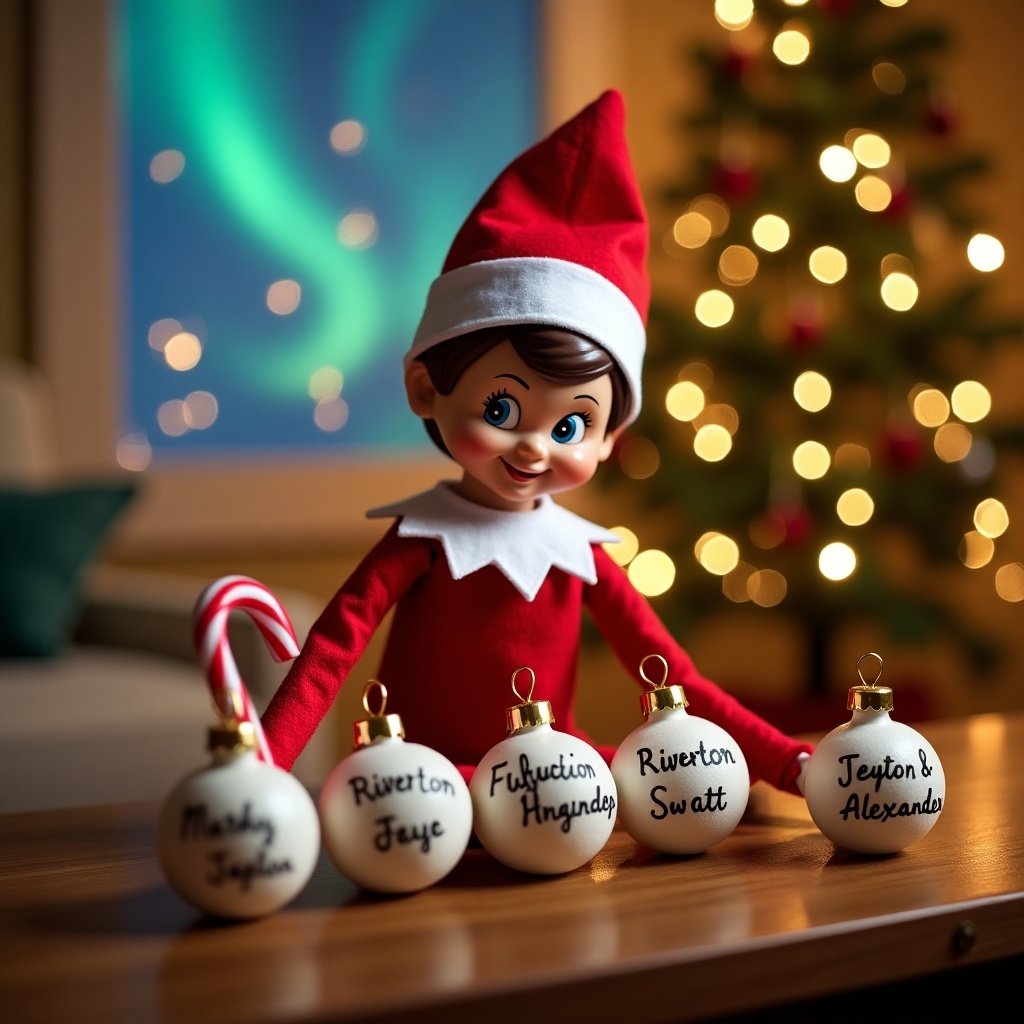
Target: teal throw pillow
x,y
47,538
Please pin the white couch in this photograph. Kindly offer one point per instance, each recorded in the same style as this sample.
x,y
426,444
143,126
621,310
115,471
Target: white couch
x,y
121,712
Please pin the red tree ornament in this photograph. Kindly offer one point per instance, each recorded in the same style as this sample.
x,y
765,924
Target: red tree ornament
x,y
940,118
901,450
900,205
735,182
797,525
735,63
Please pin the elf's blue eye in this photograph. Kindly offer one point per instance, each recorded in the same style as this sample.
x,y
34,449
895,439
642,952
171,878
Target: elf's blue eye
x,y
570,429
502,410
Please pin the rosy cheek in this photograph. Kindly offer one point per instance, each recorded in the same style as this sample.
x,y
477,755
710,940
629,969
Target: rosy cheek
x,y
579,467
472,442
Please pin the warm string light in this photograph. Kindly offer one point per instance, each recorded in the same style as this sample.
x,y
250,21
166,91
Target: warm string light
x,y
792,45
770,232
734,15
714,308
985,253
1009,582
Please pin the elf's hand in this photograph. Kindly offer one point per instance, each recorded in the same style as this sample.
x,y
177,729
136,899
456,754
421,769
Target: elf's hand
x,y
801,779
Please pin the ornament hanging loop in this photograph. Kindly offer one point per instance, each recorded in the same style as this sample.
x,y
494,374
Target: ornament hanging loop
x,y
375,686
533,682
878,674
664,671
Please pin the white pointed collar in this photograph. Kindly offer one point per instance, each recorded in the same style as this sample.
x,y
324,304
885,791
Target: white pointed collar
x,y
522,545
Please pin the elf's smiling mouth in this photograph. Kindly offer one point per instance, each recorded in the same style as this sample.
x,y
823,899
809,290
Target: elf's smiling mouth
x,y
520,476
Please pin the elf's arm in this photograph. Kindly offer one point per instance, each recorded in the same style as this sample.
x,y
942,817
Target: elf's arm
x,y
633,631
337,640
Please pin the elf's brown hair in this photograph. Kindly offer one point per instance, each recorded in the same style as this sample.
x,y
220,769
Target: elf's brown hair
x,y
558,356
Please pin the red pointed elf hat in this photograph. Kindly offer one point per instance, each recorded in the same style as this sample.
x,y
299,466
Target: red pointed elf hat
x,y
559,239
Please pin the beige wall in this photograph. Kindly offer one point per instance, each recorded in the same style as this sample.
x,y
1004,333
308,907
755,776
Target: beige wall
x,y
14,298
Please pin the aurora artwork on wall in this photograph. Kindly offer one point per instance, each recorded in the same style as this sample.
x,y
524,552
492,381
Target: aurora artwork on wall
x,y
293,172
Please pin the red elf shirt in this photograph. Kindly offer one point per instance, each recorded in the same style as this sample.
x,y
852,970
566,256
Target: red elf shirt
x,y
478,593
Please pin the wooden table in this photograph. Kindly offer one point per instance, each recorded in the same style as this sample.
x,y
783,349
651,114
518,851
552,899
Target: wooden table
x,y
90,931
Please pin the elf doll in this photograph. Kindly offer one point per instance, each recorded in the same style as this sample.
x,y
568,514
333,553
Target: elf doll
x,y
525,369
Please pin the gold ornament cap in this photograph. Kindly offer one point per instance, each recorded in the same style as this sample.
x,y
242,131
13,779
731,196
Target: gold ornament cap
x,y
233,735
528,713
661,697
377,725
869,696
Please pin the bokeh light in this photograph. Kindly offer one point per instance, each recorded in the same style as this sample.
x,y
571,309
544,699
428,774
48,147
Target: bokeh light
x,y
325,382
167,165
161,331
770,232
899,292
639,458
871,150
284,296
737,265
1010,582
792,45
348,137
827,264
625,551
975,549
200,409
812,391
713,308
971,401
991,518
985,253
952,442
357,229
872,193
170,418
721,414
767,588
717,553
852,458
183,351
855,506
888,77
811,460
713,210
734,14
684,401
735,584
691,230
652,572
712,442
133,451
330,414
837,561
837,163
930,407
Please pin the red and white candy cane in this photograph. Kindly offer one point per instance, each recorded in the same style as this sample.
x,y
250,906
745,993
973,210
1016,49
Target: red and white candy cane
x,y
210,634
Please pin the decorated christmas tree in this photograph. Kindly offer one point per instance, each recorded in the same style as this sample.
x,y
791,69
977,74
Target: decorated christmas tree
x,y
816,437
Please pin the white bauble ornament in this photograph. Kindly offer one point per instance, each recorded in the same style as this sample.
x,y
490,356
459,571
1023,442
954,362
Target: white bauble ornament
x,y
544,801
682,781
239,838
396,816
874,785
